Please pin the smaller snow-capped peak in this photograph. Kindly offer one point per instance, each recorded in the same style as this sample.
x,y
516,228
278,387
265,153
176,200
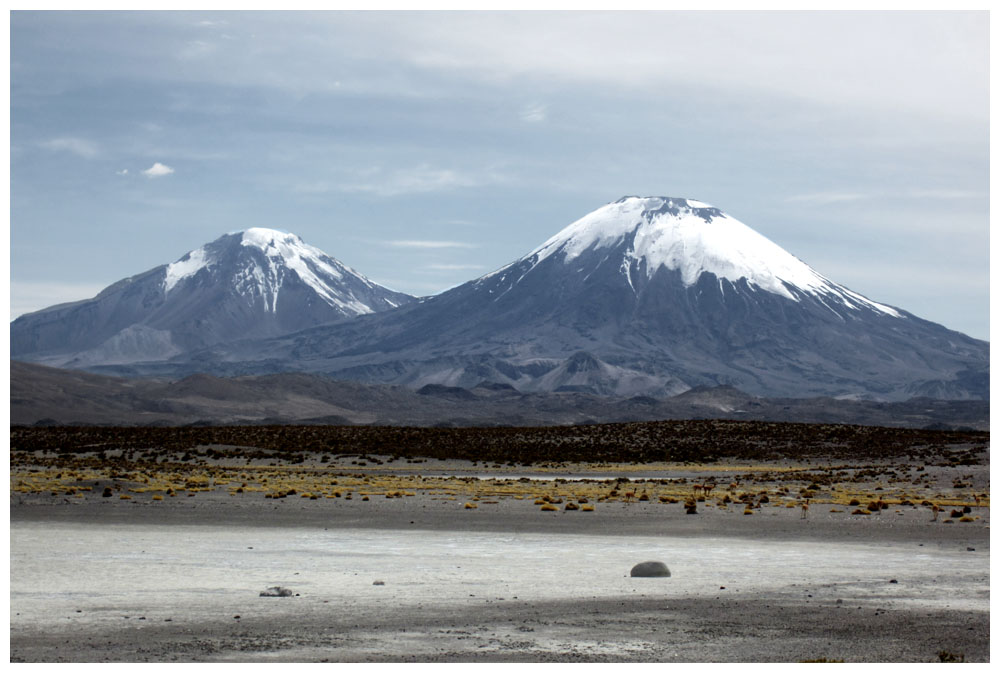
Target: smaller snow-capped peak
x,y
283,250
276,255
693,238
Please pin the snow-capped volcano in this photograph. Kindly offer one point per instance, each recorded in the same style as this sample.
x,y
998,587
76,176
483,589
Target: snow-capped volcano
x,y
253,283
692,238
282,256
649,295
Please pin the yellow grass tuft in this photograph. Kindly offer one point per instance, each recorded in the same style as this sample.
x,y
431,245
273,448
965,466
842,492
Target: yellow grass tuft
x,y
471,505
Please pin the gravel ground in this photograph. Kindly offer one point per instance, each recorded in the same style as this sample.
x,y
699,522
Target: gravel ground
x,y
137,580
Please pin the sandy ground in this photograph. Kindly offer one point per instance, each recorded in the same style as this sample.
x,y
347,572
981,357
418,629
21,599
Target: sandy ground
x,y
106,579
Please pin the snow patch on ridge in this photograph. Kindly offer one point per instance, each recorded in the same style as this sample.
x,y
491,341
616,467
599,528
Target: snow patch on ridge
x,y
693,238
186,266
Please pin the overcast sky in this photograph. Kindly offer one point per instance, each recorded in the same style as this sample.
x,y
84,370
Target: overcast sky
x,y
425,149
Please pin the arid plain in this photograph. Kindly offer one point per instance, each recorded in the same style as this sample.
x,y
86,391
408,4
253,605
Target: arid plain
x,y
787,543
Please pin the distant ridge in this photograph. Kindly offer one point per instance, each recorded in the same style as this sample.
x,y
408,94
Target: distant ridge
x,y
47,396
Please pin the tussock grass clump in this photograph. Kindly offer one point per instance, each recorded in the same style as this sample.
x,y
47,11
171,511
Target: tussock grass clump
x,y
860,511
548,507
587,508
571,506
471,505
124,496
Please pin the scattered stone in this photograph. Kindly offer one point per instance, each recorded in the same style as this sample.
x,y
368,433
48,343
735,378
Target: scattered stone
x,y
279,592
893,581
650,569
378,583
970,549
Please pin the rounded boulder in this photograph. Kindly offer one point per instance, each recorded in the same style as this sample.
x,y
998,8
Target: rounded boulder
x,y
650,569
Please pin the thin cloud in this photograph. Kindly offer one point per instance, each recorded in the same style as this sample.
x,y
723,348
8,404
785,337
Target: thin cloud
x,y
196,49
825,198
431,245
157,170
78,146
454,267
534,113
946,194
419,180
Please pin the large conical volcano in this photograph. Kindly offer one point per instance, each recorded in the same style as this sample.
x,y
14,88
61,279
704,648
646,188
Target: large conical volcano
x,y
645,295
643,236
253,283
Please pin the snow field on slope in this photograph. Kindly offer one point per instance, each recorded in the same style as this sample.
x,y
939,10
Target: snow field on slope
x,y
686,242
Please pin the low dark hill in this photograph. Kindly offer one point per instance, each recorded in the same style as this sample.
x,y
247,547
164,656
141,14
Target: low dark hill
x,y
44,395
